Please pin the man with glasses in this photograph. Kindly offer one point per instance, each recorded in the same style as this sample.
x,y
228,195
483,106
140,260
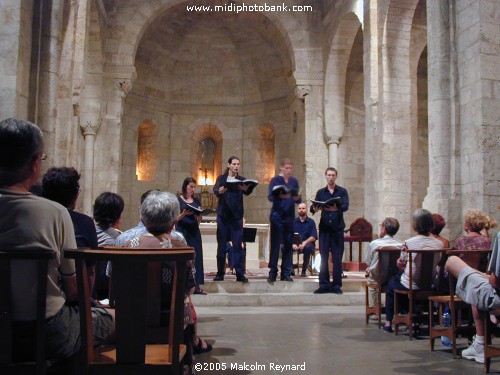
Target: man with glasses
x,y
388,230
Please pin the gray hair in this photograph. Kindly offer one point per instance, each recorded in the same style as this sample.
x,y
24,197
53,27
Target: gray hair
x,y
159,212
21,143
423,222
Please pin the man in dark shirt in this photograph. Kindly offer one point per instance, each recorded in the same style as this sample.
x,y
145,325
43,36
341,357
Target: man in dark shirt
x,y
331,233
306,228
284,193
62,186
230,218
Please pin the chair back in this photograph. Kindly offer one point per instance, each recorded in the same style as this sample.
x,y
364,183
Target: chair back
x,y
473,257
130,284
41,258
361,229
387,263
427,259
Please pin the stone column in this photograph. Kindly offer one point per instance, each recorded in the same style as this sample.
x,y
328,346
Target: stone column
x,y
315,153
116,84
441,194
89,130
51,19
373,129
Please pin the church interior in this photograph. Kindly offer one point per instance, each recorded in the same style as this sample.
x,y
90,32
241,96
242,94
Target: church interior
x,y
402,97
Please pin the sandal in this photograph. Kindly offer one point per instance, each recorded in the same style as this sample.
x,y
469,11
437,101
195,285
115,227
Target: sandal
x,y
199,349
200,291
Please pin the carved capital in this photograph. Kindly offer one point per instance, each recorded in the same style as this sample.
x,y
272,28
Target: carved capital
x,y
123,75
120,72
306,77
302,91
331,139
90,127
125,85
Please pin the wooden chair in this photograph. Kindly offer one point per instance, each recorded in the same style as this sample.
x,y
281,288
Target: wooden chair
x,y
490,350
455,304
426,273
41,258
131,354
360,231
387,257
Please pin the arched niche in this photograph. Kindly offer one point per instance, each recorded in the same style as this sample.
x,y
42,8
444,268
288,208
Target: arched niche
x,y
146,151
265,153
206,154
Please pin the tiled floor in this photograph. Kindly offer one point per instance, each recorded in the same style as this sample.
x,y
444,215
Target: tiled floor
x,y
323,339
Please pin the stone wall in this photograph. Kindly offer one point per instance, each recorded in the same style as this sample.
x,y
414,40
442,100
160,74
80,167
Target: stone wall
x,y
15,52
478,49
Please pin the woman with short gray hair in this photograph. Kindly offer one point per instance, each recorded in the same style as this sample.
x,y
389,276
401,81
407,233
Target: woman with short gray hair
x,y
159,213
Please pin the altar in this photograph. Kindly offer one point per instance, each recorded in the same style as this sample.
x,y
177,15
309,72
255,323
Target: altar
x,y
257,251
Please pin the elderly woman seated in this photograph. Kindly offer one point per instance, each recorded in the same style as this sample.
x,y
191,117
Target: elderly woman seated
x,y
473,286
423,223
159,213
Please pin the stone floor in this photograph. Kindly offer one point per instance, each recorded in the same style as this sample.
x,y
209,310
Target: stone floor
x,y
257,337
324,339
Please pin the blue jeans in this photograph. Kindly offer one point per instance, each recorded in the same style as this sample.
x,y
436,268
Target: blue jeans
x,y
394,283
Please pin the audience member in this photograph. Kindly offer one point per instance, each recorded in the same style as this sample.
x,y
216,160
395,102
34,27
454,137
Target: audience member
x,y
331,232
305,227
284,194
474,222
159,213
388,230
491,224
423,223
140,229
439,224
61,185
189,225
33,221
480,291
108,208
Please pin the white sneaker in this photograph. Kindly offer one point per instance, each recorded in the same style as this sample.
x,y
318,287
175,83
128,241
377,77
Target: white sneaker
x,y
474,352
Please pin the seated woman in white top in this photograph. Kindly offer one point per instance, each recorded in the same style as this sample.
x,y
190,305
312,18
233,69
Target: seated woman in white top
x,y
423,223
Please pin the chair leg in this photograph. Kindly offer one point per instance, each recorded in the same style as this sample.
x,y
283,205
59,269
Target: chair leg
x,y
409,325
379,307
367,314
431,326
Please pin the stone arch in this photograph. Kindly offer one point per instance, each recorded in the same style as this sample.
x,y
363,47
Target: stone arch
x,y
201,132
146,151
131,21
335,76
265,154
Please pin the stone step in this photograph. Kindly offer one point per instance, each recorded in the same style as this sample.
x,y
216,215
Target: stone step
x,y
299,285
258,292
279,299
